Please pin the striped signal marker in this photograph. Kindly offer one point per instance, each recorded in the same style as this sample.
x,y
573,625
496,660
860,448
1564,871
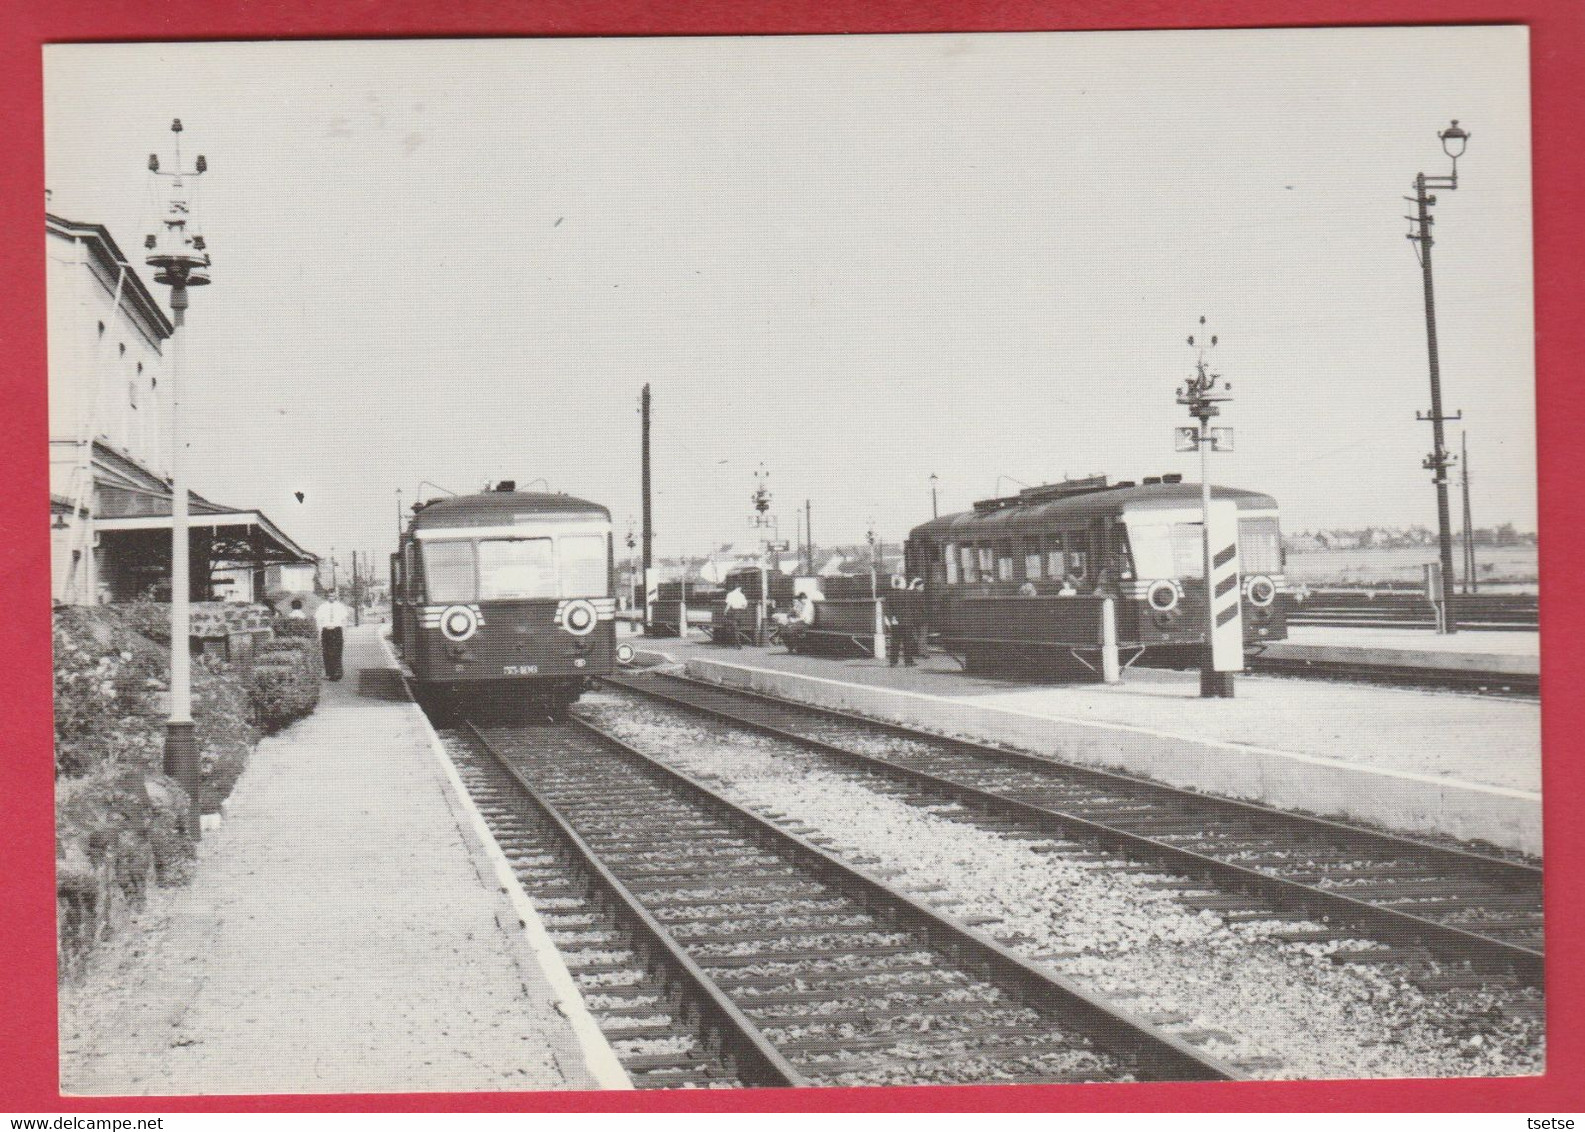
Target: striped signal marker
x,y
1227,637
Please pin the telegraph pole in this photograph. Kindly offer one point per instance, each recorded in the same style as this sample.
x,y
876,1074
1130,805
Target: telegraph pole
x,y
649,534
1454,142
809,541
177,254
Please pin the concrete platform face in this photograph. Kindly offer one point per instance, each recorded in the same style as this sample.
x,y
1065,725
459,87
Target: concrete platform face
x,y
1422,763
1497,652
345,933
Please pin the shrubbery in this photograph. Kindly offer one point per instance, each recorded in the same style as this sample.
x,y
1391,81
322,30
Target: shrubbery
x,y
284,682
119,818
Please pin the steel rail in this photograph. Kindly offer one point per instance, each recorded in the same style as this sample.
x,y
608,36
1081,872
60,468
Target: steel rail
x,y
1526,684
1387,923
756,1059
1111,1026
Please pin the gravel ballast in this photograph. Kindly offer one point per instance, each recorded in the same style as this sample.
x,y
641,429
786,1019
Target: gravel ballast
x,y
1229,987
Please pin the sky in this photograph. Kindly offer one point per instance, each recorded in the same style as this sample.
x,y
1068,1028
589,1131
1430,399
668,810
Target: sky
x,y
856,261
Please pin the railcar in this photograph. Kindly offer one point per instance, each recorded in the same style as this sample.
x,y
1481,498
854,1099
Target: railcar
x,y
505,598
1024,579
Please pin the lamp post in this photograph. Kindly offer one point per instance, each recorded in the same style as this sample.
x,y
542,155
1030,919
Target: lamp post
x,y
1198,394
935,512
180,261
1454,142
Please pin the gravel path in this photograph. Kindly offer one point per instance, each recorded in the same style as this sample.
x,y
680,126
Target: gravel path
x,y
1242,993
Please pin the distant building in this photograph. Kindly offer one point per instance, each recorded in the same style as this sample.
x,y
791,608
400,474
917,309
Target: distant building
x,y
109,418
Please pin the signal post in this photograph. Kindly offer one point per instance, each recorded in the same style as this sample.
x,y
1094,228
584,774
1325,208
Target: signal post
x,y
1223,654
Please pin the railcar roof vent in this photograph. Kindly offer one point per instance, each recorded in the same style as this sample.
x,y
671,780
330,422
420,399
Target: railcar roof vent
x,y
1151,481
506,485
1058,490
1124,483
1172,477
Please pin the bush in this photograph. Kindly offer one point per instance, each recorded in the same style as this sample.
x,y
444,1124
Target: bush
x,y
119,819
223,715
284,683
295,628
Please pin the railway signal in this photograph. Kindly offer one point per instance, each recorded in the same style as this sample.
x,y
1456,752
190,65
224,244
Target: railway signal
x,y
1223,654
180,259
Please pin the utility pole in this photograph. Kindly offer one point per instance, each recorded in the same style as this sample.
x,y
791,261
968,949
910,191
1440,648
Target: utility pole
x,y
180,261
809,541
1471,583
869,536
935,512
1454,142
649,534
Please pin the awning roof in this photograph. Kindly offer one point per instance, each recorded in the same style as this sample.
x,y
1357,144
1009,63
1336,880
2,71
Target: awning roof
x,y
245,537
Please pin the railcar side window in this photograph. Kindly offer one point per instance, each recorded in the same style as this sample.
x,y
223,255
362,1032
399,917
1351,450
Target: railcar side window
x,y
582,560
987,562
1004,567
951,558
971,571
516,568
1259,546
1079,564
415,580
1032,561
1054,563
448,571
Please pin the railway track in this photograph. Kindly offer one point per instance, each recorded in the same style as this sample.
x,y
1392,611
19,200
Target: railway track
x,y
1523,685
716,949
1455,918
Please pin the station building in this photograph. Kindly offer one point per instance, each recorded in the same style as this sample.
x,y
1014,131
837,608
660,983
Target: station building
x,y
110,444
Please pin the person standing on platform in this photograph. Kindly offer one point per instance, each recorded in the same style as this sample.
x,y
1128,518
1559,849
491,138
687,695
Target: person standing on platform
x,y
331,617
736,603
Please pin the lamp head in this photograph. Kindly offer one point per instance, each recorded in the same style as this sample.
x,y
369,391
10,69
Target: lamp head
x,y
1454,140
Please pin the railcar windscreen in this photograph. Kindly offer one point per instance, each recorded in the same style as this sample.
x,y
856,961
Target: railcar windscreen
x,y
516,568
583,566
1167,550
448,571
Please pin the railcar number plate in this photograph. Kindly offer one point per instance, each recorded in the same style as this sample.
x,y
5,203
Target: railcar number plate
x,y
519,669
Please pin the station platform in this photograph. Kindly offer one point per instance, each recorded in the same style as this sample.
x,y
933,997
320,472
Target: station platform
x,y
351,928
1414,761
1417,650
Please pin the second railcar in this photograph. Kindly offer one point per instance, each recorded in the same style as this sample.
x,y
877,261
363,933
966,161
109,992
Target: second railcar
x,y
505,597
1023,578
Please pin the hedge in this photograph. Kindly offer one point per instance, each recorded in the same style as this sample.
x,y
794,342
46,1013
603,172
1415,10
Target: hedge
x,y
284,681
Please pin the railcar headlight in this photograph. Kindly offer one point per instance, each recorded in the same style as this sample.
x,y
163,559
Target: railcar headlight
x,y
578,618
458,623
1162,595
1260,590
624,654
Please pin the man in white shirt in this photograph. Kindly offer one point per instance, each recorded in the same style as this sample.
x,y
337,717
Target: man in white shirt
x,y
331,617
736,603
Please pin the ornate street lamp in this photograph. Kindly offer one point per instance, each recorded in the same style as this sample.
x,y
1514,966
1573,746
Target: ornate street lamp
x,y
180,260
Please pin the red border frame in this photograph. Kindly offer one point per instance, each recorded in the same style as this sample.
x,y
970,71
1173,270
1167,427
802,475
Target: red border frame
x,y
28,1021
